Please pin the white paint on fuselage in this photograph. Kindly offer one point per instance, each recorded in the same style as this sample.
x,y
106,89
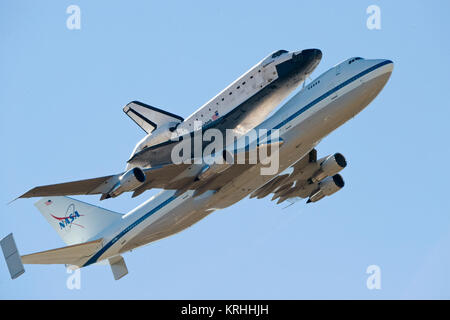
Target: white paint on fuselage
x,y
327,81
246,86
300,131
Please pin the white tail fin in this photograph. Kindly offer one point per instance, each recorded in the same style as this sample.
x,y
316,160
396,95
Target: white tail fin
x,y
75,221
149,118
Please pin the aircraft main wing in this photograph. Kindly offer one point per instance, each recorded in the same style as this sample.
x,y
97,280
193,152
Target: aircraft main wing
x,y
170,177
156,177
196,176
80,187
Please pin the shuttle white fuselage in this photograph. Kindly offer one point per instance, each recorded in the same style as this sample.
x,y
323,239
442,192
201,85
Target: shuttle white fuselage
x,y
245,103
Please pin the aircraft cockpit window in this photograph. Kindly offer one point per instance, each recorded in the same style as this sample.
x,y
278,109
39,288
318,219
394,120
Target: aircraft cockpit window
x,y
354,59
278,53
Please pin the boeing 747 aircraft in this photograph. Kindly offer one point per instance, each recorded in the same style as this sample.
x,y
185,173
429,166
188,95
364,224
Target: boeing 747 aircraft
x,y
194,190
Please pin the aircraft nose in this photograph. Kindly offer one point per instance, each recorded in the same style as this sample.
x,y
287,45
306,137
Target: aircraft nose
x,y
301,62
382,65
388,65
313,53
310,54
383,70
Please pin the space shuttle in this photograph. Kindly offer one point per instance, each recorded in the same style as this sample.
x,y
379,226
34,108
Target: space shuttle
x,y
241,106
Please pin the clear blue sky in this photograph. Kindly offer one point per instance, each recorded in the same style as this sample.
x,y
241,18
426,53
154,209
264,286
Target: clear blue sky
x,y
62,93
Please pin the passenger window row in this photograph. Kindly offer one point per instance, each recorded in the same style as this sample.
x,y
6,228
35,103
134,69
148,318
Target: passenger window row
x,y
314,84
354,59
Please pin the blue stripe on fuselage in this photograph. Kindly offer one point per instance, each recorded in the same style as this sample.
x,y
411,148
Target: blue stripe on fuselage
x,y
95,257
330,92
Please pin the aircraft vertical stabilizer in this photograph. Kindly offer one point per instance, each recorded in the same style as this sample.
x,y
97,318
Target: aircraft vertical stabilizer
x,y
149,118
75,221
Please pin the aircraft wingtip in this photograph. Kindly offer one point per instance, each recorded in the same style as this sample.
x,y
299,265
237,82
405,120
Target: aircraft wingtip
x,y
12,201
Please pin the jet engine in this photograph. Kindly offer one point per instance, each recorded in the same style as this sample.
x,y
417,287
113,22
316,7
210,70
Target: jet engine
x,y
329,167
327,187
129,181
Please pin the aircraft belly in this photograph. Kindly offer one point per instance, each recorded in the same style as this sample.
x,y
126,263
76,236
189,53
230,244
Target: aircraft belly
x,y
191,211
250,180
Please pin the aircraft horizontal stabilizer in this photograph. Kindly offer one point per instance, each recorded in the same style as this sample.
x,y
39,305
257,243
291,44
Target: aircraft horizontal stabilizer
x,y
72,255
149,118
12,257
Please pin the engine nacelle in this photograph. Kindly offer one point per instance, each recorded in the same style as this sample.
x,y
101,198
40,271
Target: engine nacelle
x,y
129,181
329,167
327,187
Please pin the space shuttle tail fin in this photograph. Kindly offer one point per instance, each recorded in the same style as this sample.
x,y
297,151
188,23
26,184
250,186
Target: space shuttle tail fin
x,y
75,221
149,118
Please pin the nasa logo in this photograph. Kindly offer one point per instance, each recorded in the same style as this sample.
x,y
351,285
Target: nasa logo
x,y
68,220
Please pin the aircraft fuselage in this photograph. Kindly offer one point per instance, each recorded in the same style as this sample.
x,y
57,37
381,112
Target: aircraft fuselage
x,y
319,108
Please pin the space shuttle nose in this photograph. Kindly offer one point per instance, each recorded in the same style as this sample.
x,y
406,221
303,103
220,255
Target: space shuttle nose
x,y
308,54
301,63
313,53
